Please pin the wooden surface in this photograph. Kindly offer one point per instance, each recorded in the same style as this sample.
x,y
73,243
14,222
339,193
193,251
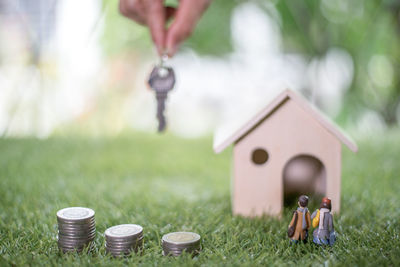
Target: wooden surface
x,y
289,131
318,116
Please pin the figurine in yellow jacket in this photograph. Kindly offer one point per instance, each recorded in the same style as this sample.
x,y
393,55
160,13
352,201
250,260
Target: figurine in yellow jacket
x,y
322,221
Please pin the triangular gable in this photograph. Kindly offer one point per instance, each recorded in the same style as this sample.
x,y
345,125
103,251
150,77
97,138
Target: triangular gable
x,y
275,105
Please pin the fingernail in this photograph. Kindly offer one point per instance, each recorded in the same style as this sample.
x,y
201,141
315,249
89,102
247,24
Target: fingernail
x,y
169,51
159,50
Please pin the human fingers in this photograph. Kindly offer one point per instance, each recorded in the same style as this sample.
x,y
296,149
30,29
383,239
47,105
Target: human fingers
x,y
186,17
155,19
133,9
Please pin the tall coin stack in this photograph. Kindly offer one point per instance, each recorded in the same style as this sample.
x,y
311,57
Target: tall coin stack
x,y
123,239
175,243
76,228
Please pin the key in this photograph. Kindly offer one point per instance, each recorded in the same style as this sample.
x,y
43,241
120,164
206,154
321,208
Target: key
x,y
162,80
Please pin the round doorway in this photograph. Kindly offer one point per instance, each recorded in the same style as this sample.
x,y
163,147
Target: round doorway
x,y
303,174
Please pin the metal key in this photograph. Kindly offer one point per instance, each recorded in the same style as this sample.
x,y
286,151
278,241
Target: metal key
x,y
162,80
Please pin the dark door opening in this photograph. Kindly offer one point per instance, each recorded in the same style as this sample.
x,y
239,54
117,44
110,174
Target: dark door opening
x,y
303,175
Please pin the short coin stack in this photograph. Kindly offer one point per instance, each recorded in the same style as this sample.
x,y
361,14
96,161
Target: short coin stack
x,y
175,243
123,239
76,228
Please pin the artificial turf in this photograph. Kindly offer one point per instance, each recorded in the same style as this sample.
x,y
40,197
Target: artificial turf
x,y
168,184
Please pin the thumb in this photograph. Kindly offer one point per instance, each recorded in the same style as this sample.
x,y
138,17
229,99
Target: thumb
x,y
186,17
156,21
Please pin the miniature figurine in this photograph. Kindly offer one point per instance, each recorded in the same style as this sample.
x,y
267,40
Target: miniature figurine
x,y
322,220
301,221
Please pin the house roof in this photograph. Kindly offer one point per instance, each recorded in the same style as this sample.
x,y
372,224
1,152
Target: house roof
x,y
274,105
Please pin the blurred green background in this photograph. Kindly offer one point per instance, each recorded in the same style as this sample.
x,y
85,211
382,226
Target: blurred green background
x,y
81,67
368,30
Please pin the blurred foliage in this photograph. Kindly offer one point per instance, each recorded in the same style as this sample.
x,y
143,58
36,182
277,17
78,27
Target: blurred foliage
x,y
120,34
364,28
367,29
213,35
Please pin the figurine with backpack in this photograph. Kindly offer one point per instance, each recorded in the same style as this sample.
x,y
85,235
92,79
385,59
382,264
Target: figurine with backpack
x,y
322,221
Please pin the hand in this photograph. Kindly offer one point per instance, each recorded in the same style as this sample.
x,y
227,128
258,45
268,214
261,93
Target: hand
x,y
154,14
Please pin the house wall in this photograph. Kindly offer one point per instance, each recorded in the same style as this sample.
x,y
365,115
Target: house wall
x,y
288,132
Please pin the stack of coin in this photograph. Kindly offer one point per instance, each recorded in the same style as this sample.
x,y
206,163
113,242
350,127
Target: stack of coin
x,y
76,228
175,243
123,239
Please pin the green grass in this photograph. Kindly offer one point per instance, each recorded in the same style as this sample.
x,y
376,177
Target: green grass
x,y
167,184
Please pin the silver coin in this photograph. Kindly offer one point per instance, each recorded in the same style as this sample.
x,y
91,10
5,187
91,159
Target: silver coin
x,y
181,250
76,229
121,241
67,249
181,238
75,219
75,241
71,240
74,214
73,245
133,241
74,249
188,249
124,231
128,237
77,234
123,245
76,223
188,245
120,248
76,238
80,225
117,241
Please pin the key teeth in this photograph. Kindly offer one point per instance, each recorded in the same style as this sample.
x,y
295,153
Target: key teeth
x,y
161,128
161,125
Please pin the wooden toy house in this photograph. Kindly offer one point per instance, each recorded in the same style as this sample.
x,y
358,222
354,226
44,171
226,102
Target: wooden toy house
x,y
289,147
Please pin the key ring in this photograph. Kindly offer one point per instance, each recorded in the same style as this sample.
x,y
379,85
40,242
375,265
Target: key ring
x,y
163,71
164,57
